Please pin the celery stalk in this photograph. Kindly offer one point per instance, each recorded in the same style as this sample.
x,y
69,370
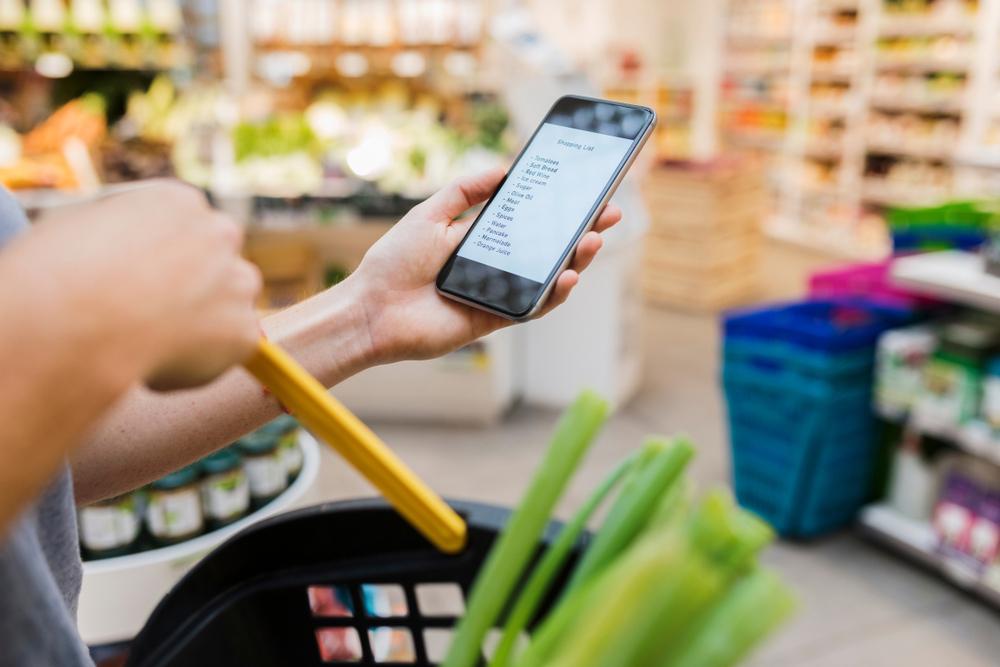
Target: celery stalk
x,y
519,540
752,609
556,627
663,464
728,535
661,573
727,539
555,556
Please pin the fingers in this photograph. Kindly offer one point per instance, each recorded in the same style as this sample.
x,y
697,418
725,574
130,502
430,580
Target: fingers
x,y
454,199
564,285
230,230
586,250
610,216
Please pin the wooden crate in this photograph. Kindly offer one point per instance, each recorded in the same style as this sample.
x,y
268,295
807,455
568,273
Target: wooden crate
x,y
702,249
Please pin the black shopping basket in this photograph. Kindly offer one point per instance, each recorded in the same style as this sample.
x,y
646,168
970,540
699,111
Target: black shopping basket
x,y
340,583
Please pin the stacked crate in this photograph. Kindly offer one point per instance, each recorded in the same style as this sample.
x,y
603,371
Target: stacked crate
x,y
705,234
798,384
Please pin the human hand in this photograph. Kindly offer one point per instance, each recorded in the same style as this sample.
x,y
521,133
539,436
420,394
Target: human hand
x,y
395,287
158,272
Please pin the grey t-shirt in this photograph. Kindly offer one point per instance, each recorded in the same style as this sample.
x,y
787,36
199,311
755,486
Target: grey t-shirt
x,y
40,570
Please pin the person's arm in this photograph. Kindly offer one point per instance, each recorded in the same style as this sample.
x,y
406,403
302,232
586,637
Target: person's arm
x,y
150,433
385,311
145,287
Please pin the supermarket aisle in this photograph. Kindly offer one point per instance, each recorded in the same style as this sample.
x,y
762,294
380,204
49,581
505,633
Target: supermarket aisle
x,y
859,605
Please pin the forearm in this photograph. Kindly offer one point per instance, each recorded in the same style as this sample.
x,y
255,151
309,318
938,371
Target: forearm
x,y
149,434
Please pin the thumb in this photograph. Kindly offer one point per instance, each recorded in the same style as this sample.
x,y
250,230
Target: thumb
x,y
462,194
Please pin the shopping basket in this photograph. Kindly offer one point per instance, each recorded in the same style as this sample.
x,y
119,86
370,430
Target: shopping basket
x,y
296,589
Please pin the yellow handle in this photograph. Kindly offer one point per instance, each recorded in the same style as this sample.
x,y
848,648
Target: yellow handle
x,y
334,424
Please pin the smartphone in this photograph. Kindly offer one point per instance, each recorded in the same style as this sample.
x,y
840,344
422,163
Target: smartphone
x,y
525,236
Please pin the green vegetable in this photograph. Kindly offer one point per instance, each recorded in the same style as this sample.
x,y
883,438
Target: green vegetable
x,y
755,606
649,595
506,562
659,466
553,560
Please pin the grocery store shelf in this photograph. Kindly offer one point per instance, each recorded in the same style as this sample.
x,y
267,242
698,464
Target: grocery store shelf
x,y
916,541
949,105
761,139
754,39
925,25
826,110
836,242
975,438
952,275
987,158
832,72
874,191
923,64
915,150
750,67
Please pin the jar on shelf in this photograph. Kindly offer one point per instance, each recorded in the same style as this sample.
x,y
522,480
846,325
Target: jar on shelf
x,y
264,466
174,511
110,527
286,429
225,492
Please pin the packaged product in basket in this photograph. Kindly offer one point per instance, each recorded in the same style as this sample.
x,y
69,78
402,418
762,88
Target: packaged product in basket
x,y
110,527
265,467
225,492
174,511
286,429
902,355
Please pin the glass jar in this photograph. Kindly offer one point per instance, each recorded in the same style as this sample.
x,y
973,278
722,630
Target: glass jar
x,y
110,527
225,492
286,429
265,468
174,511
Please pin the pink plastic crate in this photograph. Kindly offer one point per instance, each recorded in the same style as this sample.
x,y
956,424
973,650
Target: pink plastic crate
x,y
865,280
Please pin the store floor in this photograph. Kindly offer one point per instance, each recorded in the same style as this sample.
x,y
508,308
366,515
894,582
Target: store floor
x,y
859,605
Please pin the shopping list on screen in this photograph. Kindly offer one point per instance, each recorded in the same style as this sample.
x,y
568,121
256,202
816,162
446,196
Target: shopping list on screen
x,y
544,200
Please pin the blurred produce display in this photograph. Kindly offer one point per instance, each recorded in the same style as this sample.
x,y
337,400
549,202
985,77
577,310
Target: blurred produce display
x,y
39,159
391,141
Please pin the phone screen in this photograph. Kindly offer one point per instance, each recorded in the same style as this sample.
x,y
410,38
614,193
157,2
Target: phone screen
x,y
526,230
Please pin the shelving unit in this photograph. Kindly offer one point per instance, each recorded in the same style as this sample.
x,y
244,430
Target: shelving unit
x,y
953,276
961,278
879,106
916,541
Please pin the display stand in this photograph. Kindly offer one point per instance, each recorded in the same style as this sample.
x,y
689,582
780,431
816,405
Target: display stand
x,y
119,593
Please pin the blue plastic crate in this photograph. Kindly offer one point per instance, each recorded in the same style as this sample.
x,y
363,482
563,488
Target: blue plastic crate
x,y
800,487
833,325
787,384
778,354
